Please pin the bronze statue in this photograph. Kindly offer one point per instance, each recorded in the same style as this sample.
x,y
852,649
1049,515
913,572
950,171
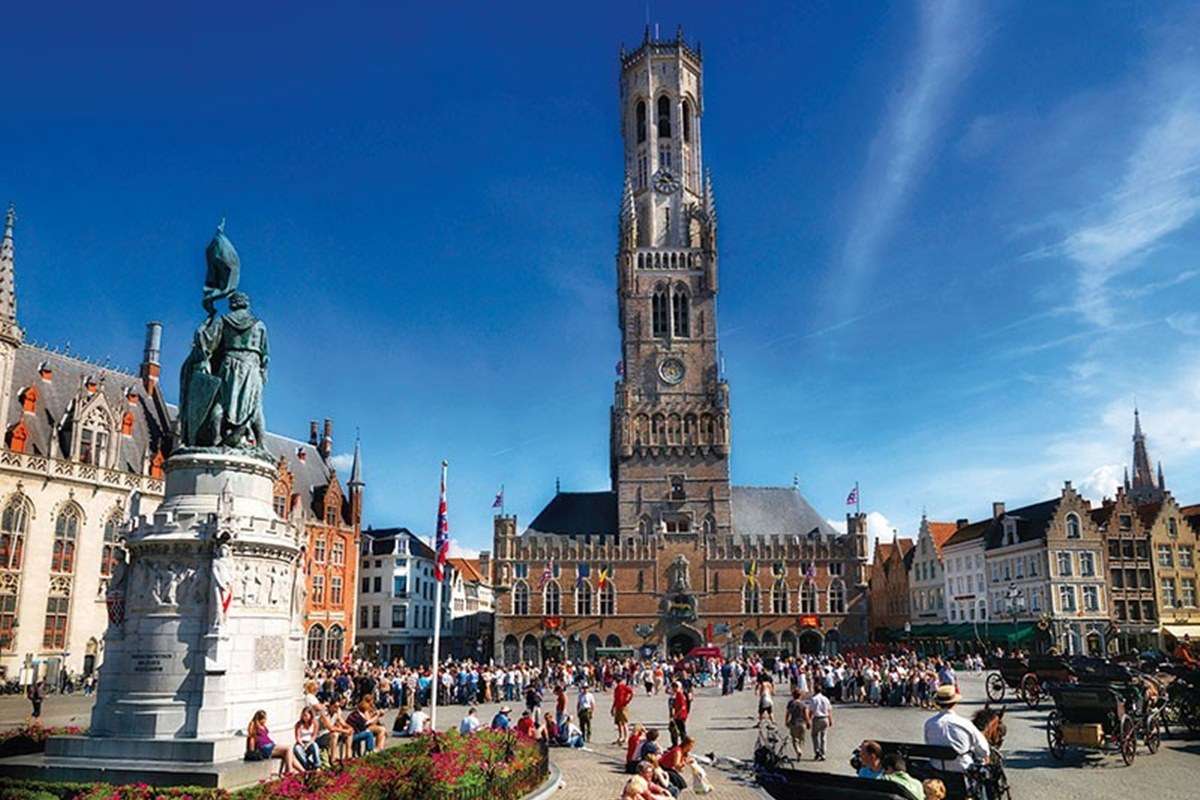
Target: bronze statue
x,y
221,382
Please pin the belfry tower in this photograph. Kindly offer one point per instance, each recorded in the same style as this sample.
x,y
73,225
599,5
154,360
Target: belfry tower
x,y
670,416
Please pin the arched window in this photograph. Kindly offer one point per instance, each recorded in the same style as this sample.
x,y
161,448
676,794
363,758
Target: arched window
x,y
664,117
14,524
316,643
658,433
644,526
333,643
112,545
552,599
674,425
837,598
808,599
1073,529
708,429
689,429
608,600
779,597
520,599
710,526
641,121
685,121
751,600
66,534
93,439
679,309
512,650
659,313
583,599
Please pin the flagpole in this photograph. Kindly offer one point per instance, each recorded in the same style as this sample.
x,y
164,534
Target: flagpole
x,y
435,684
857,500
502,499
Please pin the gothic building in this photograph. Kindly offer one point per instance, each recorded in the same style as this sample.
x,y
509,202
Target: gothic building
x,y
672,556
82,442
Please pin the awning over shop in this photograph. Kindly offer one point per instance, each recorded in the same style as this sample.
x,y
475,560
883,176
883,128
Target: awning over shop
x,y
1009,632
1185,629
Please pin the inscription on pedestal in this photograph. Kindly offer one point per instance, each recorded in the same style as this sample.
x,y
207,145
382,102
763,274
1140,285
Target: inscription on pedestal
x,y
268,653
150,662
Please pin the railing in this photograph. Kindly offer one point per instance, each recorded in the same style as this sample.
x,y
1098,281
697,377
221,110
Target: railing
x,y
56,467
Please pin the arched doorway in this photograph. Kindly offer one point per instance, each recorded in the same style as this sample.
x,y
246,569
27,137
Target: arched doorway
x,y
316,643
769,640
612,640
833,641
749,639
593,644
552,647
529,649
512,650
788,642
809,642
575,648
333,643
682,641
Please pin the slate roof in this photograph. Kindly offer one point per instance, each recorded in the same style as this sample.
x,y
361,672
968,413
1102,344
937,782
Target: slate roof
x,y
1031,524
382,542
968,533
152,424
775,511
757,511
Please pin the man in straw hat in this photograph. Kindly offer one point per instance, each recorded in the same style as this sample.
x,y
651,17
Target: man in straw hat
x,y
947,729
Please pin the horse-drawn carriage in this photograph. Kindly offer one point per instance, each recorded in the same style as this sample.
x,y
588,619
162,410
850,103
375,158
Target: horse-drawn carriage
x,y
1108,717
1028,677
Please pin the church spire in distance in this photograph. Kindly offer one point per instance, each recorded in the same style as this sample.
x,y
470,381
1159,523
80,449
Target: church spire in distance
x,y
1143,486
10,331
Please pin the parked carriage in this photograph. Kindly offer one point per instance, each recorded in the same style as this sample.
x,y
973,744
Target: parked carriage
x,y
1107,717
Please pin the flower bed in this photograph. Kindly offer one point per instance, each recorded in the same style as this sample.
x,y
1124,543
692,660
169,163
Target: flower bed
x,y
449,766
31,739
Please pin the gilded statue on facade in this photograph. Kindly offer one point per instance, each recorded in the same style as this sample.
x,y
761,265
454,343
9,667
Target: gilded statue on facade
x,y
221,383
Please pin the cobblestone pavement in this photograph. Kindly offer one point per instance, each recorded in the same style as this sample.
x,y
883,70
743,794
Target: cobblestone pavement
x,y
726,725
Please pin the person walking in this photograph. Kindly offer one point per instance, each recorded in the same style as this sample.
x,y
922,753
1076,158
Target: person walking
x,y
37,695
622,694
584,707
821,713
797,720
680,707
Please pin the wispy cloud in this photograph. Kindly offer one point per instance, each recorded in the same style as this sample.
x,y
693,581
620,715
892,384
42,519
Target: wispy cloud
x,y
1185,322
1146,289
948,38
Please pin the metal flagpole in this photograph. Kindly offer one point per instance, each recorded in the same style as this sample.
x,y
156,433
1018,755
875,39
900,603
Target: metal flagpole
x,y
857,500
435,683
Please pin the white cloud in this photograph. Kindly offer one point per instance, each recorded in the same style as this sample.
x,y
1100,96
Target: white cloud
x,y
1185,322
458,551
1102,482
902,147
342,461
878,527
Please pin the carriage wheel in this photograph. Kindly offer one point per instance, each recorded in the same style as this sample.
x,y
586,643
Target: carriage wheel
x,y
1054,736
995,687
1031,690
1152,736
1127,739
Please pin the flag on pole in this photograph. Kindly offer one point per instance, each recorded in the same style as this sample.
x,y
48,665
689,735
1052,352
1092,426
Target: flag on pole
x,y
852,498
441,542
752,573
602,578
810,572
581,573
499,501
620,368
547,574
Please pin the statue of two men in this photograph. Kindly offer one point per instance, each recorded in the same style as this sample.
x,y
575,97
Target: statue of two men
x,y
221,383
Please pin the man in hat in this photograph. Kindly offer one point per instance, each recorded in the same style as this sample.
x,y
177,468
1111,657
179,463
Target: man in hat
x,y
947,729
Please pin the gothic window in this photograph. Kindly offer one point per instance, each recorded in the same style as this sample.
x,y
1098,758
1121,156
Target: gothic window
x,y
664,158
689,429
338,554
13,526
583,599
644,526
779,597
608,600
93,439
335,590
641,121
664,117
685,121
837,598
333,643
673,429
1073,526
641,428
8,616
552,599
66,534
643,174
658,429
316,642
331,514
679,308
751,599
708,428
658,316
520,599
808,599
319,550
710,526
112,546
54,635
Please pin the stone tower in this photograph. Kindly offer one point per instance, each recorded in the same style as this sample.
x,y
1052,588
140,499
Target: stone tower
x,y
670,417
11,335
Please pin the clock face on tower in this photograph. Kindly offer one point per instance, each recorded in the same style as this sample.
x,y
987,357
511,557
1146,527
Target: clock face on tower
x,y
665,182
671,371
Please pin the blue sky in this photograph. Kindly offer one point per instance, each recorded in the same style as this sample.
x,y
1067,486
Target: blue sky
x,y
958,240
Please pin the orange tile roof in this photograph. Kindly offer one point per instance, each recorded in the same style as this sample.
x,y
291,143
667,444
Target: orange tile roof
x,y
469,568
940,532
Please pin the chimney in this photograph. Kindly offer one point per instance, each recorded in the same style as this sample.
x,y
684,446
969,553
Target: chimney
x,y
326,447
997,510
959,524
150,356
312,433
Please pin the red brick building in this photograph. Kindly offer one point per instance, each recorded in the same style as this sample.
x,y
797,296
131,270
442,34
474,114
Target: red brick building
x,y
889,595
672,555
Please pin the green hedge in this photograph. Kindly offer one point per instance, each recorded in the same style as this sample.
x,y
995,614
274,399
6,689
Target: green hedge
x,y
63,790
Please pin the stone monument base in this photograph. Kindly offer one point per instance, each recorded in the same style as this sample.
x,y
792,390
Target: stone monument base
x,y
130,770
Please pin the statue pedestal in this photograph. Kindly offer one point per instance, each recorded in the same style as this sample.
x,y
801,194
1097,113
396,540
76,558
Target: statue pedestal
x,y
177,691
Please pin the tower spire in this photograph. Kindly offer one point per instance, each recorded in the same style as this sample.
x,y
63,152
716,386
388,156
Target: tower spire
x,y
356,465
1143,486
10,331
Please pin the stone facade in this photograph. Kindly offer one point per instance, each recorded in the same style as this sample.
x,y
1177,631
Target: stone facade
x,y
1173,542
889,591
966,576
1131,588
672,556
927,578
